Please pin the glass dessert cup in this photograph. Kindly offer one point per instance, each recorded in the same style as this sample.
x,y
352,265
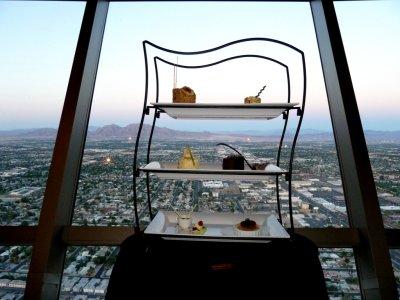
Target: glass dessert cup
x,y
184,221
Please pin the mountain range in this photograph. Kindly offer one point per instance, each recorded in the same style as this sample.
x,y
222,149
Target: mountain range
x,y
162,133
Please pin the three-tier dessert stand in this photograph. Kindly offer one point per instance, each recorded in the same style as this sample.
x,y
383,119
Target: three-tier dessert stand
x,y
265,111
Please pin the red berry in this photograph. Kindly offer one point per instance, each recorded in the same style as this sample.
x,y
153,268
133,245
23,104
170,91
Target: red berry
x,y
200,223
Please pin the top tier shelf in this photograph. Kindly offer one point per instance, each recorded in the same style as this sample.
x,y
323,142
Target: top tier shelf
x,y
264,111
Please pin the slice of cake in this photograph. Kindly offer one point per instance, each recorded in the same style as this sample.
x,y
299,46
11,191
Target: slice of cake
x,y
183,95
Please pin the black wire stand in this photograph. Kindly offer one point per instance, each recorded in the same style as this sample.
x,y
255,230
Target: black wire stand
x,y
158,110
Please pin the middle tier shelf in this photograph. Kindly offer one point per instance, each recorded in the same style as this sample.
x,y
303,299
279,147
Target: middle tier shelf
x,y
209,172
264,111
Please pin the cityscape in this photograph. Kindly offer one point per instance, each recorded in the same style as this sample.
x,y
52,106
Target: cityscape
x,y
104,198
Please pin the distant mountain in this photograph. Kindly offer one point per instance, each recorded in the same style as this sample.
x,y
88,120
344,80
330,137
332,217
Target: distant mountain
x,y
382,136
93,128
161,133
272,132
29,133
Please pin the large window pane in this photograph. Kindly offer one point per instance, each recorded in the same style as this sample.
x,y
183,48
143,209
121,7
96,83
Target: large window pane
x,y
38,41
14,265
104,195
395,254
370,30
340,273
87,272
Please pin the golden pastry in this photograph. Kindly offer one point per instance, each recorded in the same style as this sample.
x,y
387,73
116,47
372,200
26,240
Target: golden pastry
x,y
188,161
252,99
183,95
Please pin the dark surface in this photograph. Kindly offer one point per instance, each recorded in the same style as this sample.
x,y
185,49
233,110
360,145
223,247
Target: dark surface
x,y
233,162
281,269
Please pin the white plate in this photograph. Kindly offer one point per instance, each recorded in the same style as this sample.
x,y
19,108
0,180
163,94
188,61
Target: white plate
x,y
224,111
209,172
219,226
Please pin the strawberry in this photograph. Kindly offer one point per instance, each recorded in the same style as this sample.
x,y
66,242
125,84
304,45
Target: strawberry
x,y
200,223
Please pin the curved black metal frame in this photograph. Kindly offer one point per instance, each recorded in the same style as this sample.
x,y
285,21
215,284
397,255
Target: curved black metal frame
x,y
300,113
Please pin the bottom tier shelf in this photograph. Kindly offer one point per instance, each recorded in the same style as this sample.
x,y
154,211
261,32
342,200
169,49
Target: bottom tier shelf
x,y
219,226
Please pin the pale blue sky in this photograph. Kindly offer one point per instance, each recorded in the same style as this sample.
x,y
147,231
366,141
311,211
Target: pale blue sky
x,y
38,42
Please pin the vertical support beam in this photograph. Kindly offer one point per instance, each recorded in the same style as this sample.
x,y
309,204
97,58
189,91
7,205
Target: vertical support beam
x,y
372,255
46,267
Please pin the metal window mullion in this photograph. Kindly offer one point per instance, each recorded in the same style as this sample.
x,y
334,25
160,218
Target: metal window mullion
x,y
47,263
372,255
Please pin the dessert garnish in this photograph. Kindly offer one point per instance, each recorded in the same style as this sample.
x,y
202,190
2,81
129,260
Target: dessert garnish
x,y
199,228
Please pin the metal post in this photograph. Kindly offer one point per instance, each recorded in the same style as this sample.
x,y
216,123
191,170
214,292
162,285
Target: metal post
x,y
46,267
372,254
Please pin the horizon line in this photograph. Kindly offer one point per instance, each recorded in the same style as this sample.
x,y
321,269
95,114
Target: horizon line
x,y
325,130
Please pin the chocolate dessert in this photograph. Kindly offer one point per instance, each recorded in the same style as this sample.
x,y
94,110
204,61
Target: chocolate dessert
x,y
233,162
248,225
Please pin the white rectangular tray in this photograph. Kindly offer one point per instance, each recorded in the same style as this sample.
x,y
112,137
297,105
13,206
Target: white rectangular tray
x,y
209,172
224,110
219,226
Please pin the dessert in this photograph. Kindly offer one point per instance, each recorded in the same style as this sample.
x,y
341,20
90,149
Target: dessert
x,y
259,166
252,99
183,95
247,227
233,162
199,228
188,161
184,221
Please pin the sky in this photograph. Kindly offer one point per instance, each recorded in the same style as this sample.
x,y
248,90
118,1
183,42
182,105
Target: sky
x,y
38,41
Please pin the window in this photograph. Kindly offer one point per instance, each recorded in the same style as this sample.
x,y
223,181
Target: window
x,y
104,196
87,271
14,265
340,273
105,189
38,41
395,254
372,52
